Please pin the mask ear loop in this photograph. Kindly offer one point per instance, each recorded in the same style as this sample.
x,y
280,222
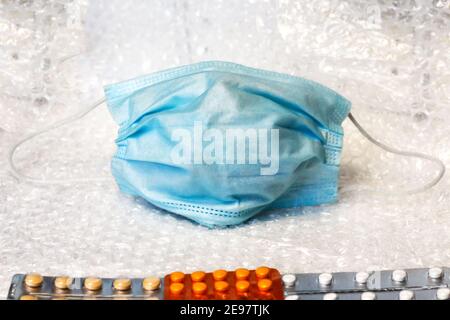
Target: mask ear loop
x,y
387,148
15,171
56,125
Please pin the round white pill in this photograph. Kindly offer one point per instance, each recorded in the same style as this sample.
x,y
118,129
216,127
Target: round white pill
x,y
406,295
293,297
330,296
325,279
435,273
443,294
362,277
368,296
399,275
289,280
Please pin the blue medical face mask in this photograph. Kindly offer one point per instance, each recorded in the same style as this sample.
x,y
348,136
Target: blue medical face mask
x,y
218,142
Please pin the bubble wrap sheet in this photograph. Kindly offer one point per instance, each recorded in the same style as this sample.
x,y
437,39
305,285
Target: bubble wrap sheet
x,y
390,58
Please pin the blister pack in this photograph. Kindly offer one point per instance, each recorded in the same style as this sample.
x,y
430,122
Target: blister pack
x,y
36,287
241,284
421,284
263,283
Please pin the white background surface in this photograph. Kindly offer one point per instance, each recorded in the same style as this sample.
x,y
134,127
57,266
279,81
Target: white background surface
x,y
390,58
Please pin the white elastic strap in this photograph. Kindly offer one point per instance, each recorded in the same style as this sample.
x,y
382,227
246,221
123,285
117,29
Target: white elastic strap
x,y
81,114
58,124
402,153
68,120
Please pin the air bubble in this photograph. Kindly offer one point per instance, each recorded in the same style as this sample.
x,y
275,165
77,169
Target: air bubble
x,y
41,101
420,117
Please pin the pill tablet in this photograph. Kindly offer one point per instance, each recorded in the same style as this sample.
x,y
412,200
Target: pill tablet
x,y
406,295
289,280
33,280
368,296
242,286
264,284
443,294
221,286
262,272
199,288
93,284
325,279
362,277
151,283
219,275
28,297
399,275
198,276
330,296
242,274
177,277
435,273
63,283
122,284
176,288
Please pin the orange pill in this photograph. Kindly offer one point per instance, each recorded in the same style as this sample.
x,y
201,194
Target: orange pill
x,y
242,274
93,284
63,283
176,288
199,287
221,286
151,283
177,277
262,272
26,297
198,276
264,284
242,286
219,275
122,284
34,280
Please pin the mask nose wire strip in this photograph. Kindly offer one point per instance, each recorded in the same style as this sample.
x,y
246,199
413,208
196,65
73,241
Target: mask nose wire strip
x,y
58,124
387,148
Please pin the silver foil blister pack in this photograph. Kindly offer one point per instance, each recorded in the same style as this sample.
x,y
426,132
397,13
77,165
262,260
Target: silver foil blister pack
x,y
409,284
77,289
